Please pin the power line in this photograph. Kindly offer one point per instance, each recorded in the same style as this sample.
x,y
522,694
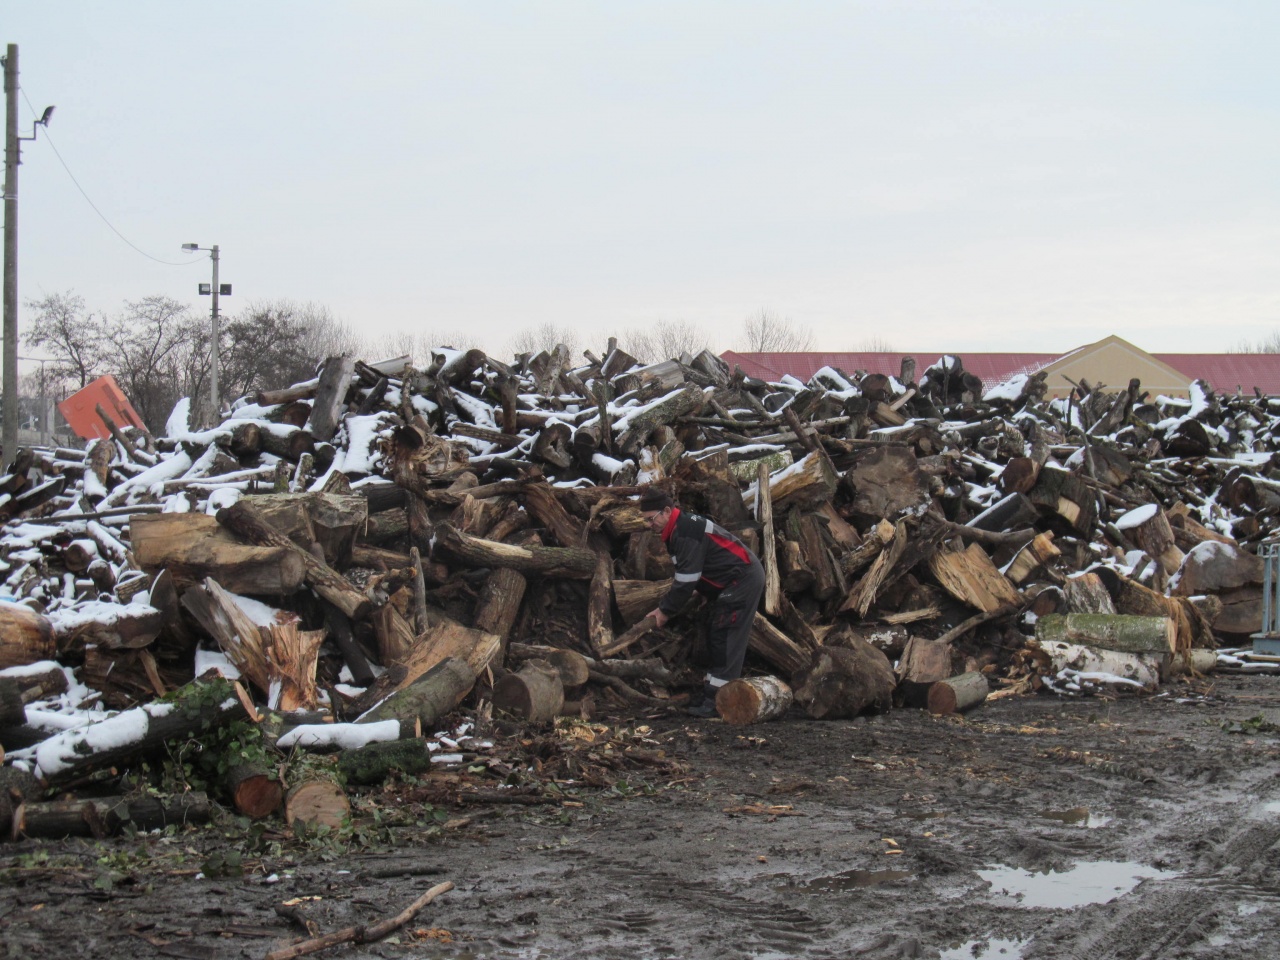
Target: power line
x,y
53,147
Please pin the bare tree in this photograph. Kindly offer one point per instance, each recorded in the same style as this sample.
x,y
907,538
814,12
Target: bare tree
x,y
420,345
874,344
1268,344
273,343
62,326
767,332
664,340
156,353
546,336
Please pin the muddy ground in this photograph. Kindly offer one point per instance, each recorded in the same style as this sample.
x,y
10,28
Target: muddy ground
x,y
1035,827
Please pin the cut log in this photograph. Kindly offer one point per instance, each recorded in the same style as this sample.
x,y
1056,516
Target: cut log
x,y
600,597
255,791
1144,669
316,803
111,626
886,482
1149,529
574,668
635,598
499,605
535,693
330,520
875,541
1063,493
640,425
56,819
374,762
25,636
243,520
810,481
844,682
331,397
1122,632
427,698
769,546
573,563
957,694
753,700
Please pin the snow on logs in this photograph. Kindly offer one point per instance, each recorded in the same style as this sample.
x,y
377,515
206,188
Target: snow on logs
x,y
438,519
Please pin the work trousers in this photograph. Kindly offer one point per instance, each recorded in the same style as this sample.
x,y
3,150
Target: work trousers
x,y
731,618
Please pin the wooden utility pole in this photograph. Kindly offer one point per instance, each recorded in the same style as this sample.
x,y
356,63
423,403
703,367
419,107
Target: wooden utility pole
x,y
11,147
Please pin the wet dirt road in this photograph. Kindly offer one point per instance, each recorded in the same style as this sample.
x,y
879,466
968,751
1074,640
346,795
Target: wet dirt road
x,y
1034,827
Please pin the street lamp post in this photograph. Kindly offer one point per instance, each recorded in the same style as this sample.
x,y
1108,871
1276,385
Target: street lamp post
x,y
215,290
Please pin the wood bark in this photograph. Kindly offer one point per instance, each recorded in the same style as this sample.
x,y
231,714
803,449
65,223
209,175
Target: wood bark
x,y
331,397
1122,632
844,682
780,650
753,700
573,563
428,697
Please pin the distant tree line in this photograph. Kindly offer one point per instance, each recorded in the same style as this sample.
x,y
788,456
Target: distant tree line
x,y
159,350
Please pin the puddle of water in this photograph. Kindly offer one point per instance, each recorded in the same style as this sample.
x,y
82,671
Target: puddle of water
x,y
1076,815
986,950
855,879
1086,882
931,815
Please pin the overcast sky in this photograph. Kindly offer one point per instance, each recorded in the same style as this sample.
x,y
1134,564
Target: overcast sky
x,y
1020,175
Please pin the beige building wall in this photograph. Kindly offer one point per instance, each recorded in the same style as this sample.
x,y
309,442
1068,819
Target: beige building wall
x,y
1112,362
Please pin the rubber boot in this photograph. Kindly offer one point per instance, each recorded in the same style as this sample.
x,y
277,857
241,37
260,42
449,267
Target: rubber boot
x,y
703,706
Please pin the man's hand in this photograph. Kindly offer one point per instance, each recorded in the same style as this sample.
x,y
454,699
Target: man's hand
x,y
658,615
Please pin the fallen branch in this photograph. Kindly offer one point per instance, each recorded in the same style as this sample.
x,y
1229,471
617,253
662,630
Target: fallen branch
x,y
960,629
361,934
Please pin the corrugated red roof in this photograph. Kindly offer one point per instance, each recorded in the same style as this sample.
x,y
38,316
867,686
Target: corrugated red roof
x,y
1223,371
1227,371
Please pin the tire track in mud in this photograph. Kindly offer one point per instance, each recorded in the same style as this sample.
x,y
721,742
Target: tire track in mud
x,y
1191,915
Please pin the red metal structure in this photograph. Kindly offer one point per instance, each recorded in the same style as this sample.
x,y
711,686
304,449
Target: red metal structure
x,y
80,409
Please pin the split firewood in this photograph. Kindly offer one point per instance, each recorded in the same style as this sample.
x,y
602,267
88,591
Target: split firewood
x,y
971,577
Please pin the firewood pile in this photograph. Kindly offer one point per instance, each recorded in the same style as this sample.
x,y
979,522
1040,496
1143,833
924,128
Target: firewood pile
x,y
367,551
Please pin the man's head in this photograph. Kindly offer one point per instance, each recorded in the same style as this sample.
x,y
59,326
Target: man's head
x,y
656,507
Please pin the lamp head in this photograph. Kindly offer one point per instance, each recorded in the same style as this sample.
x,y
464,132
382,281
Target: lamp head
x,y
44,119
191,246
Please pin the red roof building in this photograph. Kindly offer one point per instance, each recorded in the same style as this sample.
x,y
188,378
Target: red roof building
x,y
1111,362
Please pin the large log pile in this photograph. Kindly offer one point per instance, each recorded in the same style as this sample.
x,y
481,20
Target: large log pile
x,y
441,519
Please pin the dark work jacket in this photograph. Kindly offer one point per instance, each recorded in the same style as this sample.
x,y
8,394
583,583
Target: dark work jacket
x,y
708,558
